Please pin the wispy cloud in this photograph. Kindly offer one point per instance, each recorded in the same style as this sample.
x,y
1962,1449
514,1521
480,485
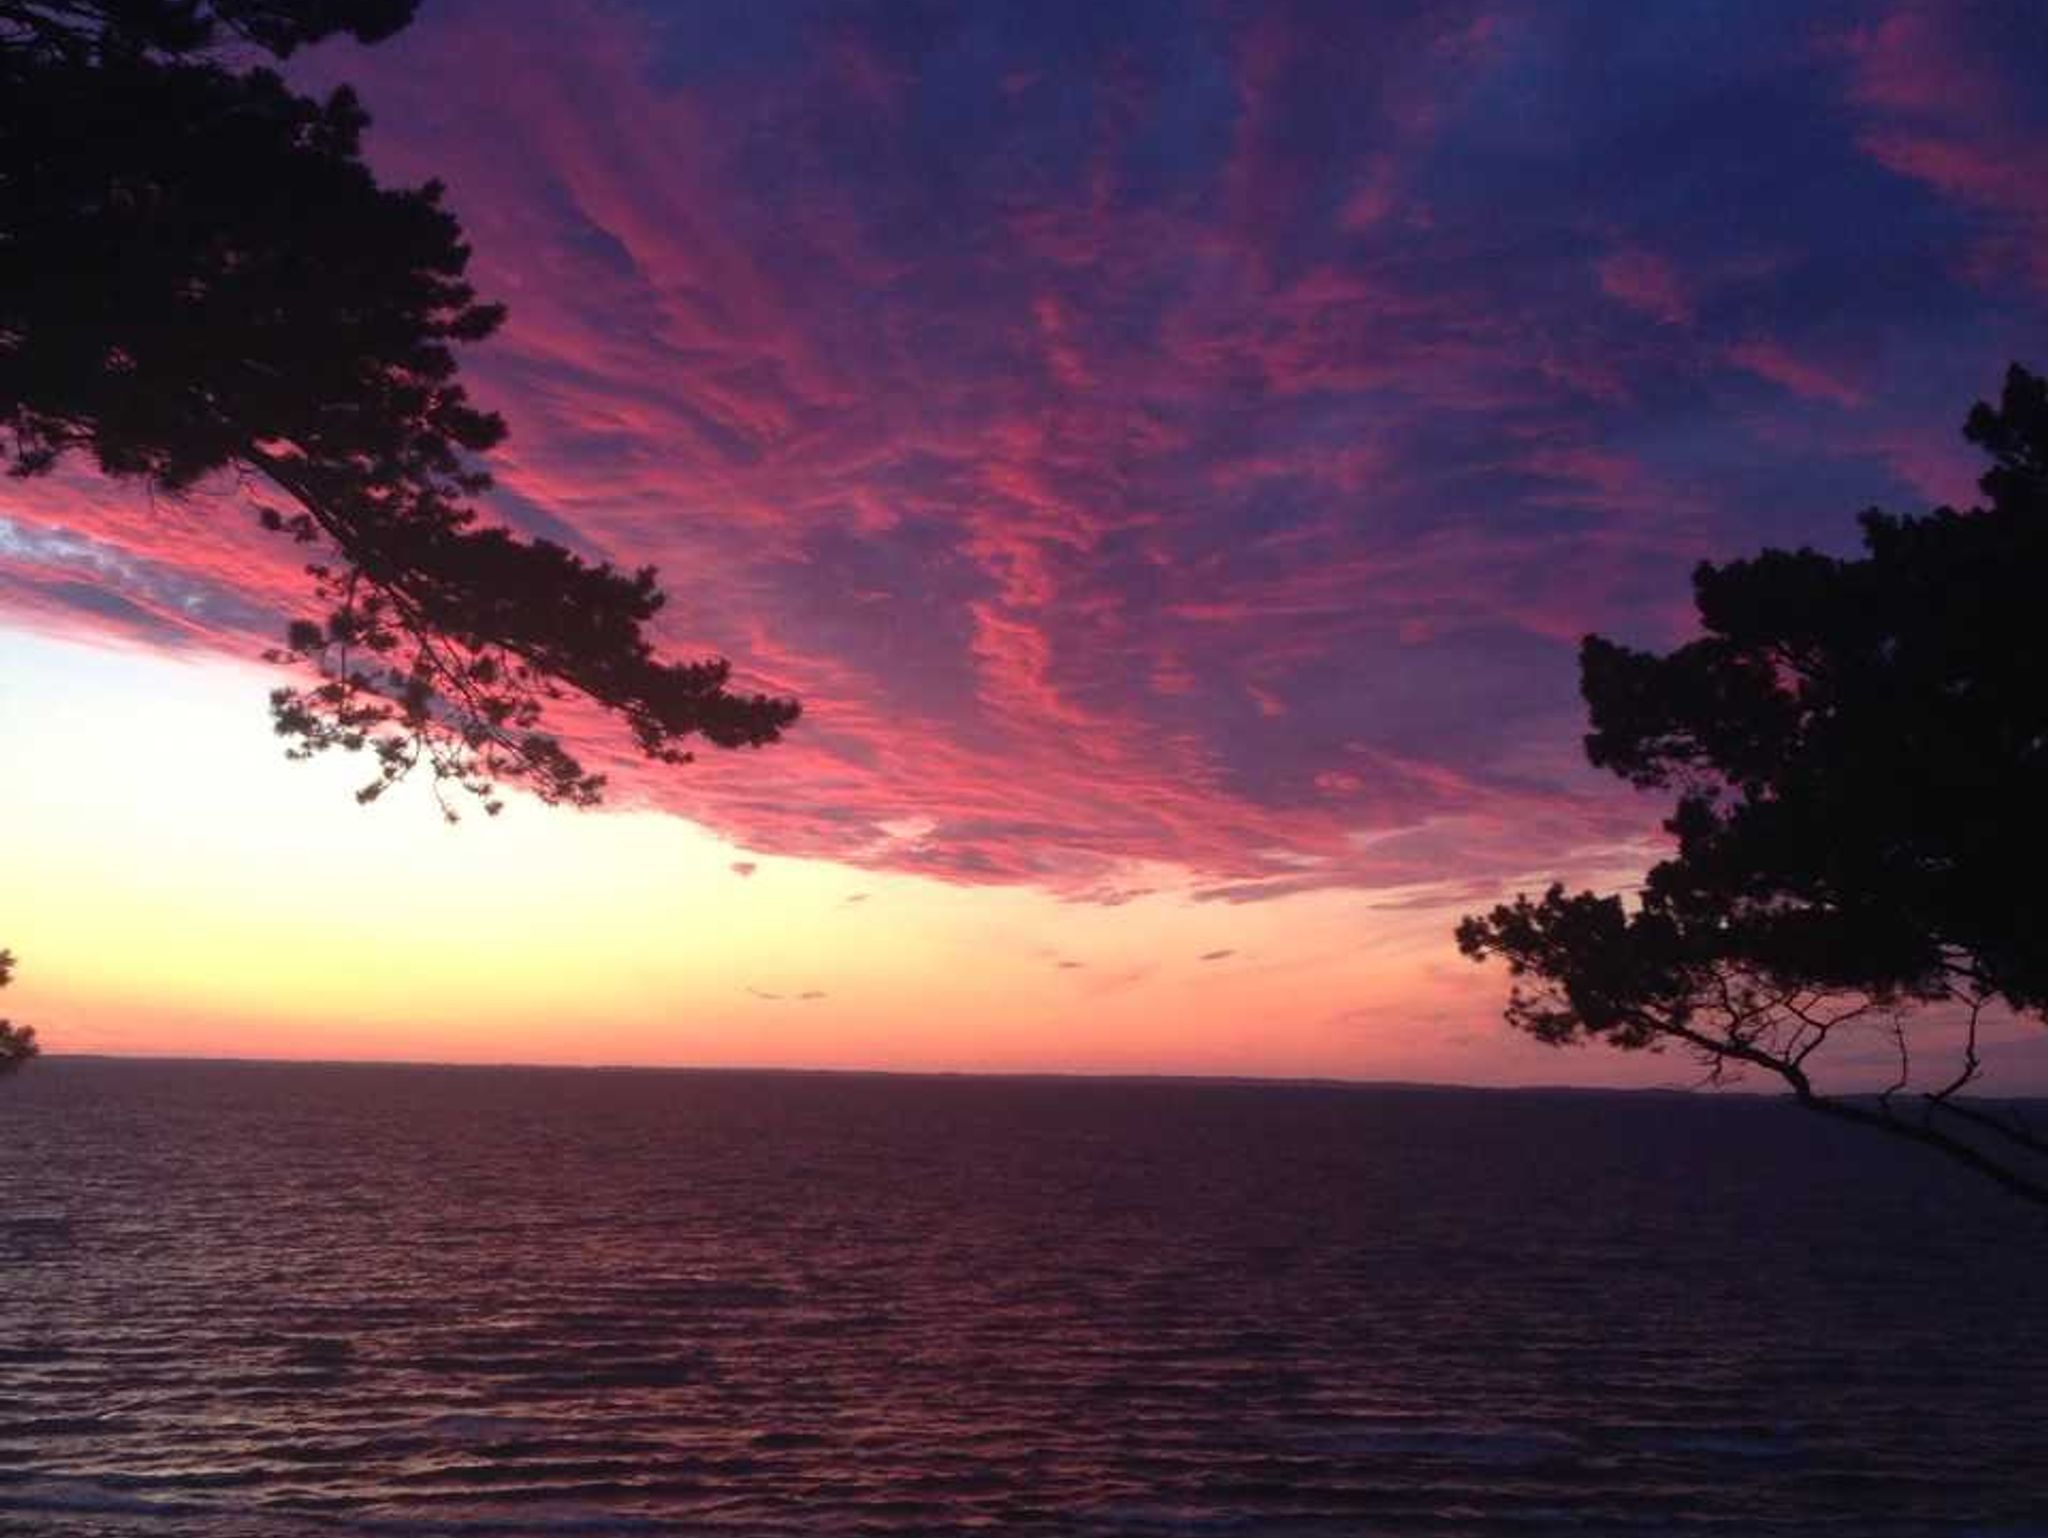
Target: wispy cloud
x,y
1193,441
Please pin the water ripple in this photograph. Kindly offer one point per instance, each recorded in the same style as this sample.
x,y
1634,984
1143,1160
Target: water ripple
x,y
245,1300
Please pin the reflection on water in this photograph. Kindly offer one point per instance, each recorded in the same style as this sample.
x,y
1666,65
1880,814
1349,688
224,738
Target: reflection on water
x,y
241,1299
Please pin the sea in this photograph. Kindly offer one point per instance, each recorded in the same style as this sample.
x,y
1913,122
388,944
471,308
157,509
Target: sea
x,y
294,1301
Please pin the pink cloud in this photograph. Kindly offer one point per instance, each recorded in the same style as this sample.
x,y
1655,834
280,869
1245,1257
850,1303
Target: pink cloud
x,y
1943,108
1803,376
1646,283
1106,511
1939,466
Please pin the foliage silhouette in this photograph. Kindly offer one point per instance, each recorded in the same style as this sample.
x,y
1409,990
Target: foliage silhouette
x,y
199,274
1860,749
17,1042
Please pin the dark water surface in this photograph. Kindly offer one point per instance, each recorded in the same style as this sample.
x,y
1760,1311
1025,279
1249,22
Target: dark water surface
x,y
251,1300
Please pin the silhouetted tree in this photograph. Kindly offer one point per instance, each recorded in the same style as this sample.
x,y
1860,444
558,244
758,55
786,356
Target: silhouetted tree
x,y
199,274
1860,753
17,1042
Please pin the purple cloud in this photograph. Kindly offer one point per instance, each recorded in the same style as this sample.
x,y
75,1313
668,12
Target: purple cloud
x,y
1198,438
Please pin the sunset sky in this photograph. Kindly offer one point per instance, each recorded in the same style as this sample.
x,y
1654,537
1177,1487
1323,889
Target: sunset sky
x,y
1172,450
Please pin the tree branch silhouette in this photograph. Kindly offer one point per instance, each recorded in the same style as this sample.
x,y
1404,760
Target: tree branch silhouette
x,y
199,274
17,1042
1858,747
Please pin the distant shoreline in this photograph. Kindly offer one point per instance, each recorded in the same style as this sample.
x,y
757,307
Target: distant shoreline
x,y
1056,1076
994,1076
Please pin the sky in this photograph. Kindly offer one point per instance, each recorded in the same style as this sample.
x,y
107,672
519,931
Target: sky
x,y
1172,450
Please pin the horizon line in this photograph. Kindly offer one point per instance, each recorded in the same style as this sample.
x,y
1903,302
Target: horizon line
x,y
1086,1076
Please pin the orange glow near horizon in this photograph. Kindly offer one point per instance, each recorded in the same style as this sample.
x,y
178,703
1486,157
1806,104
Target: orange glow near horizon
x,y
1173,460
177,888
